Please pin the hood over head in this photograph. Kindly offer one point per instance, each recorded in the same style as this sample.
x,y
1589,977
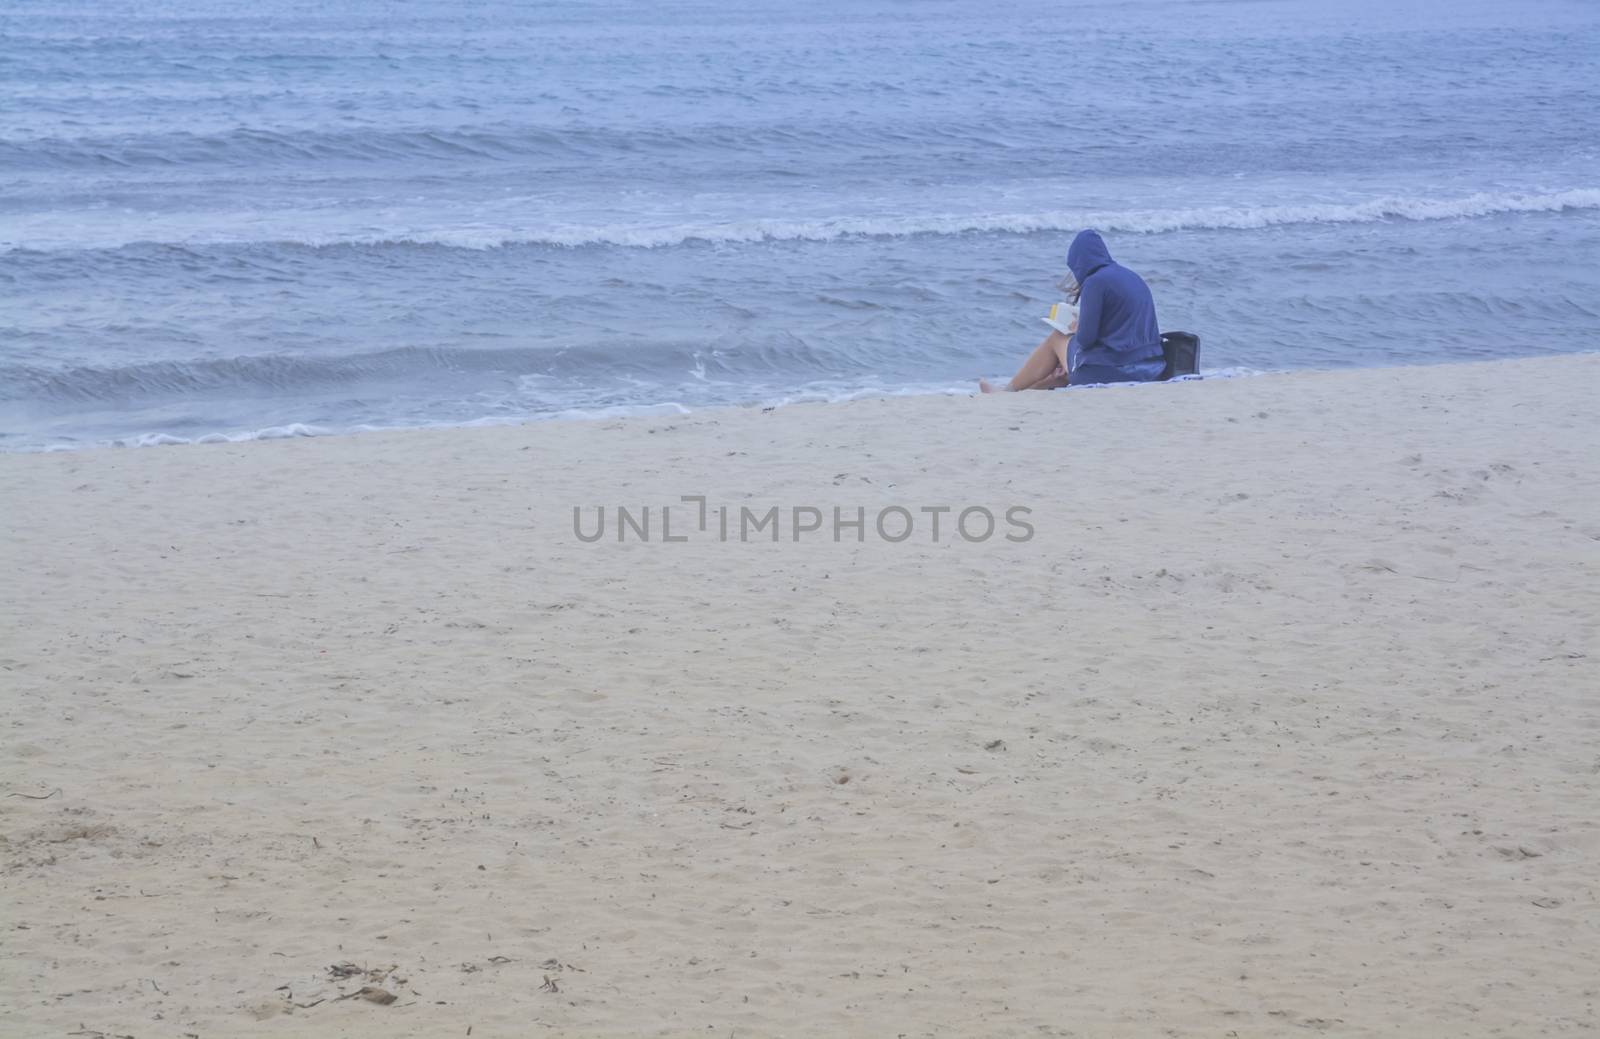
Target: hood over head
x,y
1087,254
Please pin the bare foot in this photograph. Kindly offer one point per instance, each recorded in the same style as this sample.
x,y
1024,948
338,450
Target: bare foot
x,y
985,386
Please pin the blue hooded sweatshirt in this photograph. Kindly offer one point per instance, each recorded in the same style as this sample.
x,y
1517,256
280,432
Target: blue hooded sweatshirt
x,y
1118,339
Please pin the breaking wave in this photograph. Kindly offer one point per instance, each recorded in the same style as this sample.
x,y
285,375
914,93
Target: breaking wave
x,y
1219,218
477,235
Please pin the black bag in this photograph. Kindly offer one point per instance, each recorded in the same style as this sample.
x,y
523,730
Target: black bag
x,y
1183,353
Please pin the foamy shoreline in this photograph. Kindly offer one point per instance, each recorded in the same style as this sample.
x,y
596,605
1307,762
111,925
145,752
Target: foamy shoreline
x,y
658,410
1281,718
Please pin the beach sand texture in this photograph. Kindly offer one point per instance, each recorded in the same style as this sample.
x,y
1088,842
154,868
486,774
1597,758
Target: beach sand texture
x,y
1285,721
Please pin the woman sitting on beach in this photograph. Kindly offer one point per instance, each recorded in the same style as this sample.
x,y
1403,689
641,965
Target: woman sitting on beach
x,y
1114,338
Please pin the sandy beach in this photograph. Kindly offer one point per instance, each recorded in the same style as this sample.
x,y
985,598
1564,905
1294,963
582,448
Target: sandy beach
x,y
1276,714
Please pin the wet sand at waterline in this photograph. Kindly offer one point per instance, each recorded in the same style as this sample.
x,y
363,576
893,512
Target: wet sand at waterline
x,y
1282,719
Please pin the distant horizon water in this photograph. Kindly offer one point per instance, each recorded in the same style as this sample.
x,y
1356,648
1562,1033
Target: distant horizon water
x,y
227,223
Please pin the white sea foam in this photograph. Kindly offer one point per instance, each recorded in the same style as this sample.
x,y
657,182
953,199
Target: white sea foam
x,y
287,229
816,393
1150,221
286,432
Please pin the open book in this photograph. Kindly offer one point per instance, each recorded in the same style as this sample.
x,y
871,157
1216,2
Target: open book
x,y
1061,317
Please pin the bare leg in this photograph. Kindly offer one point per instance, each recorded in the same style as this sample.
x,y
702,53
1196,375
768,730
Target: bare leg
x,y
1040,370
1054,381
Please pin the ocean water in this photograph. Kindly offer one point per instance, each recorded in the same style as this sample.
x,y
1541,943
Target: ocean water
x,y
221,219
